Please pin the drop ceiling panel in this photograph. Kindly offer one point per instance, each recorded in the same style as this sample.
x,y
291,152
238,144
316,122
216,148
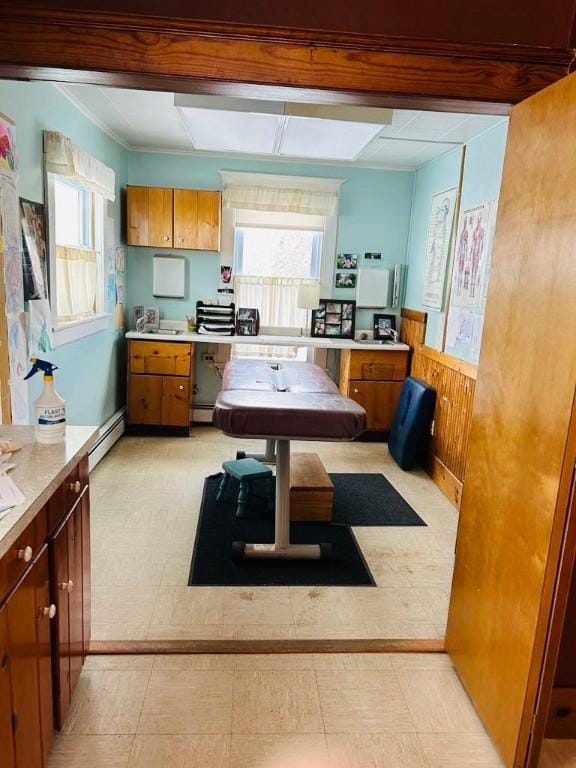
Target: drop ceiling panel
x,y
225,131
330,139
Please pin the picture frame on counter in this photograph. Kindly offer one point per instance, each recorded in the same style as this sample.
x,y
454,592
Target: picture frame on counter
x,y
334,318
383,325
247,321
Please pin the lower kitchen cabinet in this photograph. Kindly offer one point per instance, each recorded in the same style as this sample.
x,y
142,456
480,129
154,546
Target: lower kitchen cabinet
x,y
379,399
44,630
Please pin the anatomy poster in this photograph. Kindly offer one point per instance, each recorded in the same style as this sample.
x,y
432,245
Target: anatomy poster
x,y
438,247
470,257
469,282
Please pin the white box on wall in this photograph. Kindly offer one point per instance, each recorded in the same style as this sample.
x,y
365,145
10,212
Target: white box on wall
x,y
373,288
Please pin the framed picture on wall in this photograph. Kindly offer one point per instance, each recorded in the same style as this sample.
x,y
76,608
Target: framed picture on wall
x,y
334,318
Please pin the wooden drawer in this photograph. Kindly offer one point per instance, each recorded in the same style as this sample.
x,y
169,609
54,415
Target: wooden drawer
x,y
22,553
65,498
378,366
160,357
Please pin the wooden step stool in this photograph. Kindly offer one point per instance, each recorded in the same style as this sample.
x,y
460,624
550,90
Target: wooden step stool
x,y
311,490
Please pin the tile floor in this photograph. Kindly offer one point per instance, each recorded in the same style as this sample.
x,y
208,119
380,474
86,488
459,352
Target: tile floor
x,y
347,710
145,499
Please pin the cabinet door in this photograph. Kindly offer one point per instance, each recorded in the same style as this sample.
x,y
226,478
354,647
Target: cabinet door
x,y
23,653
208,220
6,736
197,219
61,628
86,583
45,616
379,399
175,401
145,399
76,644
150,213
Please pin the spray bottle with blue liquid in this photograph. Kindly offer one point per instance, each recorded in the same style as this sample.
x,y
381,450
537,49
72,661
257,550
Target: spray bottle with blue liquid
x,y
50,408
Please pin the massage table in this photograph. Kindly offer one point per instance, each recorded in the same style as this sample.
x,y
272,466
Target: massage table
x,y
283,402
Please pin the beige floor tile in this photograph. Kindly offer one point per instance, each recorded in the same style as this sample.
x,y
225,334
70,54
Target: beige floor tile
x,y
193,662
128,605
382,605
408,661
107,702
276,702
119,630
368,750
264,605
473,750
90,752
396,629
275,661
435,601
363,702
258,632
187,702
183,632
276,750
438,702
333,632
163,751
352,661
326,606
189,606
140,662
176,571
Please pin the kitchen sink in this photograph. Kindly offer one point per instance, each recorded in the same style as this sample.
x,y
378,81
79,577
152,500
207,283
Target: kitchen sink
x,y
163,331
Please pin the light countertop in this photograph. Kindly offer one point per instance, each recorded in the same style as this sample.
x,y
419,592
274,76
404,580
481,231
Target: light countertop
x,y
39,470
282,341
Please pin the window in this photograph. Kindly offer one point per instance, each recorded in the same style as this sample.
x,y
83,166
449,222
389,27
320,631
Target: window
x,y
77,186
274,255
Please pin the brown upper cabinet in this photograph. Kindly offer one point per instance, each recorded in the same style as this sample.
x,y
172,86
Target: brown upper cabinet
x,y
173,218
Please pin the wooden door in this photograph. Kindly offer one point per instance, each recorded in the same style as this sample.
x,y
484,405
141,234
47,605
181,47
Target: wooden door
x,y
149,216
175,401
208,220
145,399
23,653
197,219
521,451
379,399
76,643
44,616
6,737
61,629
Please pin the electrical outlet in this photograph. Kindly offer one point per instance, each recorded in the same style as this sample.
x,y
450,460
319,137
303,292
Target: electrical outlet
x,y
208,358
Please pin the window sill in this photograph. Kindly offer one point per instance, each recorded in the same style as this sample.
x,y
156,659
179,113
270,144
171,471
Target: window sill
x,y
68,332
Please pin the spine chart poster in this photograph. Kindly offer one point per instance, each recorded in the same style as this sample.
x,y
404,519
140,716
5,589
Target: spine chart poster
x,y
438,247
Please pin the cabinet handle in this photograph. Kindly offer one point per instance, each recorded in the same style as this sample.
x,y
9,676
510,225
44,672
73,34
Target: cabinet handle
x,y
355,391
25,554
67,586
181,386
49,610
166,238
75,486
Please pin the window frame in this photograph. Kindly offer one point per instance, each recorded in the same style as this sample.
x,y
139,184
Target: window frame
x,y
316,256
64,333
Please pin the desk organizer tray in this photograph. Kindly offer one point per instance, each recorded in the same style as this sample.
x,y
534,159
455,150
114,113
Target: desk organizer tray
x,y
215,318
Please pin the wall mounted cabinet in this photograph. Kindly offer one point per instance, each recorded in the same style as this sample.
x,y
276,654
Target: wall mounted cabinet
x,y
187,219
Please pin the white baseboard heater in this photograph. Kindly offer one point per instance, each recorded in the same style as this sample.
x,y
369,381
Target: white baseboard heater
x,y
202,414
110,433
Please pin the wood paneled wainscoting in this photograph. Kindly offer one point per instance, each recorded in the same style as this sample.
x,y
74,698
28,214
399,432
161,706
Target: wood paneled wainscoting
x,y
454,381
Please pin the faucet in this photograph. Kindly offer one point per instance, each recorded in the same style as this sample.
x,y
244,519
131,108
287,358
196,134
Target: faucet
x,y
140,323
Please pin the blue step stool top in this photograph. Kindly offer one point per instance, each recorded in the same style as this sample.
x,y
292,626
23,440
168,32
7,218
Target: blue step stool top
x,y
246,469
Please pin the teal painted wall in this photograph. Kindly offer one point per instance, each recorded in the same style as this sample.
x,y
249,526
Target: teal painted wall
x,y
480,183
374,215
91,377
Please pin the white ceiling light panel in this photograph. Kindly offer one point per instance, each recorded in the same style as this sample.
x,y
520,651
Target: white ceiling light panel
x,y
226,131
326,139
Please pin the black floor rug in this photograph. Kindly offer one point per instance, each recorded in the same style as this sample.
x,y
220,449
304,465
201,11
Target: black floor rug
x,y
218,527
369,499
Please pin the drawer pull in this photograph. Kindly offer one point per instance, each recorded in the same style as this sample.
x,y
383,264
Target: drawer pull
x,y
166,238
67,586
355,391
75,486
181,386
49,610
25,554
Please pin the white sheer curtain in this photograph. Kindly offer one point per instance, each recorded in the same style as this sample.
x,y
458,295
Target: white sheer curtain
x,y
77,274
276,298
